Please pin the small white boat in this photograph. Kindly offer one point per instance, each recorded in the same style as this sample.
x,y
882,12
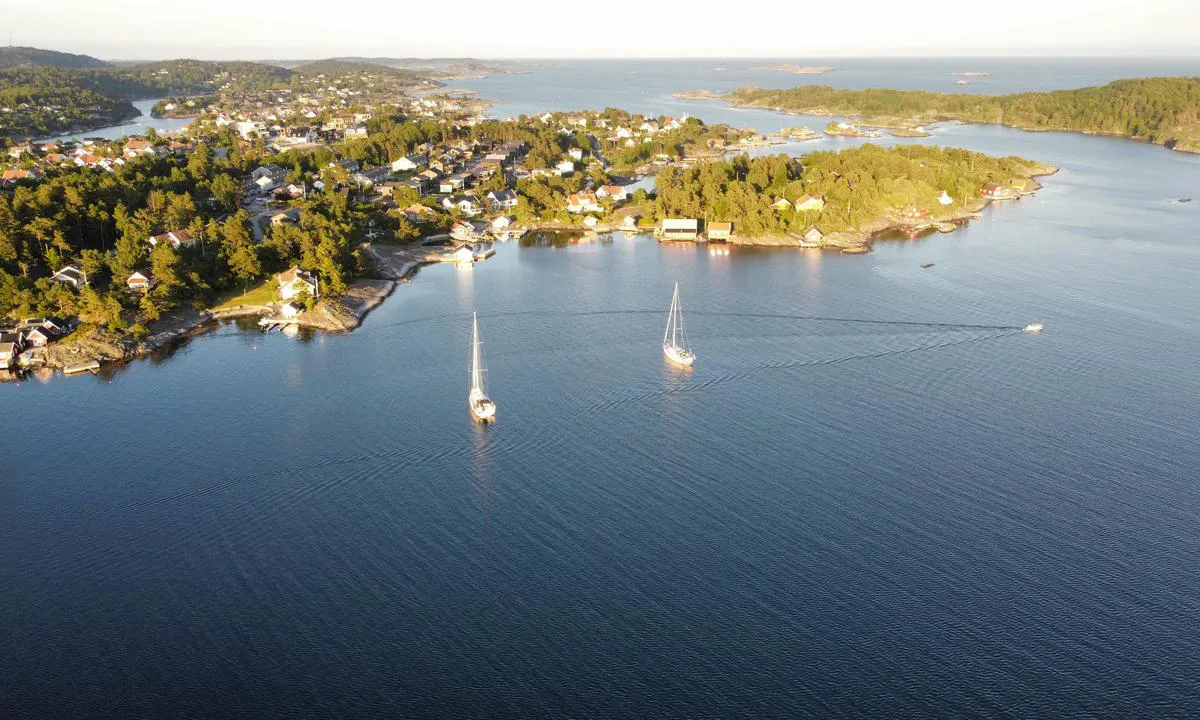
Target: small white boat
x,y
675,334
1034,328
482,408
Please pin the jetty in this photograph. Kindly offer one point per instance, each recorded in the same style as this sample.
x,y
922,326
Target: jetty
x,y
92,366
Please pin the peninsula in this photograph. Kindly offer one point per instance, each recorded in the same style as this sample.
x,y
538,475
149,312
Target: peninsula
x,y
842,199
1164,111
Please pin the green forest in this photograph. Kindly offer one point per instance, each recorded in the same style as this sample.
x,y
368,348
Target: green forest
x,y
1159,110
859,185
102,221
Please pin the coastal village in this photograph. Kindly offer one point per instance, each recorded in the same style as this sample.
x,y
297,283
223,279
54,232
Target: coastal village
x,y
413,177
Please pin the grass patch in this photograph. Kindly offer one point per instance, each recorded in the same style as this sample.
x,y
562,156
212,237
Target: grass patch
x,y
258,295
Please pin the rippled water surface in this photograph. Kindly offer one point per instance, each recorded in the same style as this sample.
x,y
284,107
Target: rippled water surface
x,y
872,496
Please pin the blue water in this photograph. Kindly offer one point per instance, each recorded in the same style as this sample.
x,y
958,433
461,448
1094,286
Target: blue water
x,y
872,497
137,126
647,85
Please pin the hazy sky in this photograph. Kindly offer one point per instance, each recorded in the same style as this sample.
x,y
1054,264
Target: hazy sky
x,y
287,29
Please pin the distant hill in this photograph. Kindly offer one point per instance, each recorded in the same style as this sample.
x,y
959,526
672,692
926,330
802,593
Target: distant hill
x,y
431,67
36,57
184,76
339,67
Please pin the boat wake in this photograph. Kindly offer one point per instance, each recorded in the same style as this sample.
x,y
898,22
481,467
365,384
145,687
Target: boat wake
x,y
458,317
649,392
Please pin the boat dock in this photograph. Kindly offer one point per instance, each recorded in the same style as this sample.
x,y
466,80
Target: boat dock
x,y
92,366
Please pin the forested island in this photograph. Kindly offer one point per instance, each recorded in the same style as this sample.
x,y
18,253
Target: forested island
x,y
846,195
1165,111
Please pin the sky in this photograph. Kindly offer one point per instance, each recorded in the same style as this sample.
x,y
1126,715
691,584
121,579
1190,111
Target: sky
x,y
301,29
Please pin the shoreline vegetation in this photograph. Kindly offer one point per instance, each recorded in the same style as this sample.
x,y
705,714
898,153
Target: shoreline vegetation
x,y
1162,111
396,265
848,198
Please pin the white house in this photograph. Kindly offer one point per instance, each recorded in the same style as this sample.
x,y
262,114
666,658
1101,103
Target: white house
x,y
246,128
576,154
140,281
615,192
566,167
72,275
680,228
295,281
464,204
409,162
503,199
266,171
265,184
175,238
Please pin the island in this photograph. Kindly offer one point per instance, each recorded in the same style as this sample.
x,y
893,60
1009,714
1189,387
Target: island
x,y
842,199
700,94
1156,110
794,69
845,129
799,134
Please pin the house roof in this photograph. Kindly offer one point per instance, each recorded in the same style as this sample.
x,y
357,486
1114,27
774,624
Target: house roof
x,y
175,237
583,198
71,274
293,274
720,227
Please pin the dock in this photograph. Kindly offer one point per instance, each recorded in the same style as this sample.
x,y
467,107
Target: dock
x,y
92,366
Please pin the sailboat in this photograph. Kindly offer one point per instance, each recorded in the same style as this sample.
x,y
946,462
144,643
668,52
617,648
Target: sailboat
x,y
675,334
482,407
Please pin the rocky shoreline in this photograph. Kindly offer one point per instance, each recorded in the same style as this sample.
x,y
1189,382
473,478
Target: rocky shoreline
x,y
339,315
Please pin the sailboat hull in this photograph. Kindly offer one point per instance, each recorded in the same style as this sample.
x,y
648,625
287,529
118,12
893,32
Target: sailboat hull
x,y
482,408
678,355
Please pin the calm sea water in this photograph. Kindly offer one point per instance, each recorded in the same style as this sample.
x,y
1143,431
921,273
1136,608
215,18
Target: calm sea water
x,y
872,496
647,85
137,126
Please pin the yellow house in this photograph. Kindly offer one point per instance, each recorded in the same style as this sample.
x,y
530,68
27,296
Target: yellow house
x,y
806,203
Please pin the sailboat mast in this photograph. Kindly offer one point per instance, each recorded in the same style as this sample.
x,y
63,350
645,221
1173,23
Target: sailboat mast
x,y
675,317
670,319
476,379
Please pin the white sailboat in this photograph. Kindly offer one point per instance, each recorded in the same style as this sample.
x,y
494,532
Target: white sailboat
x,y
482,408
675,334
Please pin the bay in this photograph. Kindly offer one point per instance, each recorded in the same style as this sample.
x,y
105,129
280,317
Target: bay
x,y
873,495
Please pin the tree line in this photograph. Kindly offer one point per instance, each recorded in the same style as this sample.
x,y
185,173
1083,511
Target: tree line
x,y
1154,109
857,185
